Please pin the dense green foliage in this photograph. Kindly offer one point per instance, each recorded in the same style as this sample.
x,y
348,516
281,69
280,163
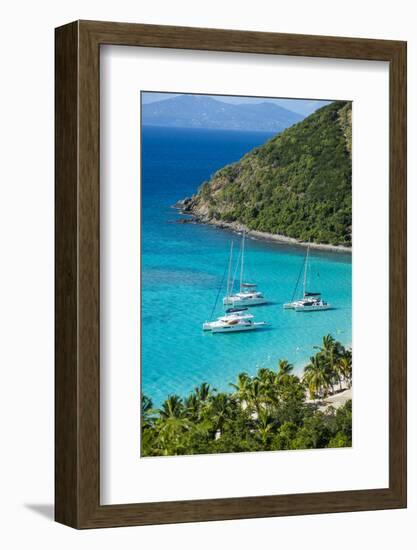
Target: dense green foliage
x,y
270,411
297,184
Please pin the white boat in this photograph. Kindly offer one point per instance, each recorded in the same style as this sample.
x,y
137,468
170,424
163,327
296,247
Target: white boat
x,y
240,325
230,315
309,298
309,305
248,294
311,301
235,319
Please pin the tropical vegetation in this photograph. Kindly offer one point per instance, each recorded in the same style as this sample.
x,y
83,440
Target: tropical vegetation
x,y
273,410
298,184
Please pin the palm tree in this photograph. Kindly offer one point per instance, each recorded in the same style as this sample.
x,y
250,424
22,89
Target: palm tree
x,y
337,369
220,411
267,381
172,408
192,407
146,410
328,342
284,367
345,367
316,377
265,425
331,352
266,389
171,424
203,392
265,376
242,387
255,395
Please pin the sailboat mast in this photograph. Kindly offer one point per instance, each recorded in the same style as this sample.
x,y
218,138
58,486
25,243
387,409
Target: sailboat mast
x,y
229,290
305,272
242,260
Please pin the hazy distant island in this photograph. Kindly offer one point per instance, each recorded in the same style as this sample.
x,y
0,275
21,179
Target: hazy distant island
x,y
201,111
296,187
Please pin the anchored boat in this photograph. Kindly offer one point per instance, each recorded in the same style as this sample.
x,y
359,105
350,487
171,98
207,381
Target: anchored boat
x,y
235,319
248,294
315,304
310,301
232,314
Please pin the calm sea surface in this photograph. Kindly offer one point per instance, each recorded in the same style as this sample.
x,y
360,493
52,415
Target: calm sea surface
x,y
183,266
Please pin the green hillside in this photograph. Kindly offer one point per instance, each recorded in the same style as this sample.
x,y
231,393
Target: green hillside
x,y
297,184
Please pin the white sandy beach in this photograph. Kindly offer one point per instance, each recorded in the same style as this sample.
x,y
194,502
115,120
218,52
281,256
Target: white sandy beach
x,y
237,227
337,400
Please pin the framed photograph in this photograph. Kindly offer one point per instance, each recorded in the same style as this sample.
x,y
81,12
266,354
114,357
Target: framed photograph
x,y
230,274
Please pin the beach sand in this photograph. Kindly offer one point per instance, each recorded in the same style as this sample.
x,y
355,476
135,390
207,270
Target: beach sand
x,y
337,400
234,226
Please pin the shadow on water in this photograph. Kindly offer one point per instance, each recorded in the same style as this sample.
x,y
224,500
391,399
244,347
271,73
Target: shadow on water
x,y
263,329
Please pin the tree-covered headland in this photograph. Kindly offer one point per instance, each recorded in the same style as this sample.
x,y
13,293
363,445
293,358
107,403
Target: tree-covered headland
x,y
298,184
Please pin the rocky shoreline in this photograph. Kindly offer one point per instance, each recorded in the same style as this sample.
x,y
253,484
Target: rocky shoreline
x,y
185,207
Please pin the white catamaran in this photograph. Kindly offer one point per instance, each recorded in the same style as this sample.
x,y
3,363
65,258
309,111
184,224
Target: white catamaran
x,y
238,326
235,319
311,301
232,314
247,295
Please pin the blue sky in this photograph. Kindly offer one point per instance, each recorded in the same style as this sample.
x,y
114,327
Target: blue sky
x,y
302,106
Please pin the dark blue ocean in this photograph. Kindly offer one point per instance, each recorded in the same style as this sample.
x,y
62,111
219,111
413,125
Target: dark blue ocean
x,y
183,266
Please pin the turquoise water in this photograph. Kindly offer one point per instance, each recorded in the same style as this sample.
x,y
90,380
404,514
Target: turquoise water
x,y
183,266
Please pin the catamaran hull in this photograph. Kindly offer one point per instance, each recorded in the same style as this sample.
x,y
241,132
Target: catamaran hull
x,y
237,328
226,330
312,308
246,302
300,304
222,321
290,305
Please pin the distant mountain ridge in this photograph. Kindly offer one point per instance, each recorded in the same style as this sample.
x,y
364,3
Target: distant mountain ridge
x,y
298,184
199,111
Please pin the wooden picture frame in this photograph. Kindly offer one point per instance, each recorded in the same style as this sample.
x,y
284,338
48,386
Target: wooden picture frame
x,y
77,431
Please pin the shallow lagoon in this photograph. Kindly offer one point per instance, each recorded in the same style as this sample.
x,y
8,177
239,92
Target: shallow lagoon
x,y
183,266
